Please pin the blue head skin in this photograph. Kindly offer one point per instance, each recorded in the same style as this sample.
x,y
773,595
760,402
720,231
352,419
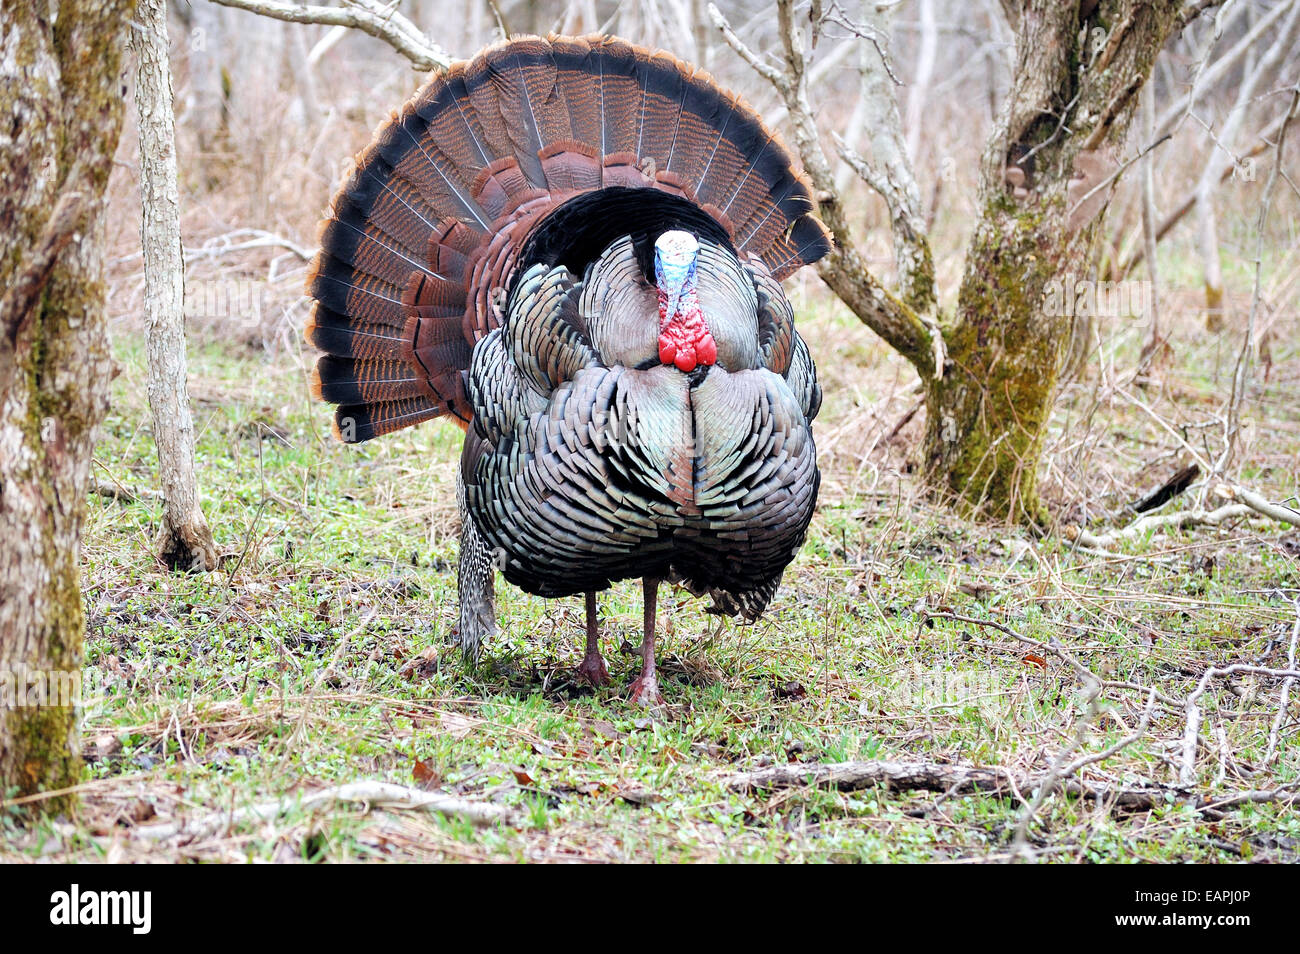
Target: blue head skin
x,y
676,257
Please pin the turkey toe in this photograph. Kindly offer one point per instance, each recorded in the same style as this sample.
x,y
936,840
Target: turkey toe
x,y
592,672
645,692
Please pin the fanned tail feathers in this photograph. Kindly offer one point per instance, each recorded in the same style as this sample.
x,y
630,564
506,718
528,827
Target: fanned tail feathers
x,y
421,241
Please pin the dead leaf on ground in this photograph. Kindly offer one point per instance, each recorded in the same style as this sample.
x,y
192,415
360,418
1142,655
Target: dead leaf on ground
x,y
424,775
423,665
602,728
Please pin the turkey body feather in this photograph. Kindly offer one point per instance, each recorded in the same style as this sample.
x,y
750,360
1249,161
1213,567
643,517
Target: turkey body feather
x,y
573,247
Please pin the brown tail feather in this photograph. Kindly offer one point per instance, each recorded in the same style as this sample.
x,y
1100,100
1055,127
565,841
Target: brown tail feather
x,y
423,237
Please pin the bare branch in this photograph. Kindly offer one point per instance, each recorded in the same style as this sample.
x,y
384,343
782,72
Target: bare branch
x,y
1275,731
1259,504
1228,166
1078,204
1195,9
1241,374
867,31
1144,525
895,318
1191,732
380,21
1206,74
890,152
756,62
860,166
1059,773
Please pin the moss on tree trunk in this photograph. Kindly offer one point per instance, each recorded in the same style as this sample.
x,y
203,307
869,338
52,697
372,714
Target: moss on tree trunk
x,y
62,94
988,413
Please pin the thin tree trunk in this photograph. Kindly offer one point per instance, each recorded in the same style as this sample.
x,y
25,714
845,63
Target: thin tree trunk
x,y
60,91
184,541
916,98
1154,353
209,86
1254,75
304,79
1207,236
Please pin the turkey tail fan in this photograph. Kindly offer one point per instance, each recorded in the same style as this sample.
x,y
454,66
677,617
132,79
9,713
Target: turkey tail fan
x,y
424,236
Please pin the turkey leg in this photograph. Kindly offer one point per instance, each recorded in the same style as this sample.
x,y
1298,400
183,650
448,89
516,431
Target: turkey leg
x,y
592,669
645,690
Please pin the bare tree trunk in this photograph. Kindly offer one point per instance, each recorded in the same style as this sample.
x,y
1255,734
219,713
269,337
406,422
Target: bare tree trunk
x,y
1041,193
304,80
209,88
1207,238
184,542
60,92
1155,353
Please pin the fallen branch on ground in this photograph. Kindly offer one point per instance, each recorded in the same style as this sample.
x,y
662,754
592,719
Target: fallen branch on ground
x,y
992,780
1248,503
1259,504
371,794
118,492
1059,773
1177,521
260,238
1167,491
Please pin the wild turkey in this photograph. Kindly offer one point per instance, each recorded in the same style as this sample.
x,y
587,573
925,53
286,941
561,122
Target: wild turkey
x,y
574,248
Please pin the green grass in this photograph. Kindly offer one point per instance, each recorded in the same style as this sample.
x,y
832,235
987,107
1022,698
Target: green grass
x,y
321,655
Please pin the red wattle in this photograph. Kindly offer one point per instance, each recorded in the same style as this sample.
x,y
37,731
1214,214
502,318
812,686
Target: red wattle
x,y
685,340
706,349
667,349
685,360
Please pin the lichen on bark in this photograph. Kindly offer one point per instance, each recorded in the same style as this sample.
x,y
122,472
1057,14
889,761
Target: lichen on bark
x,y
61,91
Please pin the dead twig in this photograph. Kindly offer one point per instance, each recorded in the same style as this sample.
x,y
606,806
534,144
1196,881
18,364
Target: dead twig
x,y
1241,373
371,794
1059,773
1275,731
1192,729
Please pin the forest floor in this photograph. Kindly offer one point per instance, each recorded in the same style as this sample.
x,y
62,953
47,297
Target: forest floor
x,y
319,655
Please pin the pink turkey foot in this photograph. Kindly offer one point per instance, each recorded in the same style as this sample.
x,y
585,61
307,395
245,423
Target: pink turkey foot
x,y
592,671
645,691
